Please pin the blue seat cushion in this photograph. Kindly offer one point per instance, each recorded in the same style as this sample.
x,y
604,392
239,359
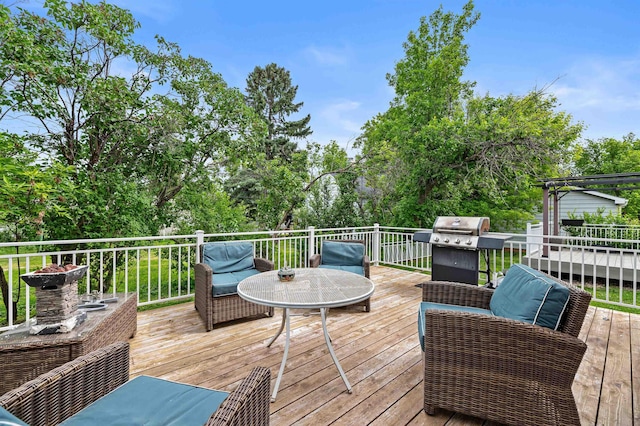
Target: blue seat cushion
x,y
151,401
8,419
342,254
227,283
359,269
528,295
425,306
225,257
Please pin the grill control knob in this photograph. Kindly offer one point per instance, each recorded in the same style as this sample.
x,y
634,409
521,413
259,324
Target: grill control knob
x,y
446,240
436,239
468,242
457,241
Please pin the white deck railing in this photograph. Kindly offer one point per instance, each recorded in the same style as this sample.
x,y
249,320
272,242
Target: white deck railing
x,y
160,269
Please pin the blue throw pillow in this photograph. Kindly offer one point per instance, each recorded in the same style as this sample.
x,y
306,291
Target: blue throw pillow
x,y
528,295
342,254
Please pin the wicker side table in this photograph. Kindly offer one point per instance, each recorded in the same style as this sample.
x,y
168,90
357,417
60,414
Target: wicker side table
x,y
24,357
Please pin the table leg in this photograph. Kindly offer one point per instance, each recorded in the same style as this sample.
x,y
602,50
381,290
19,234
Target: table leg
x,y
333,355
284,356
279,330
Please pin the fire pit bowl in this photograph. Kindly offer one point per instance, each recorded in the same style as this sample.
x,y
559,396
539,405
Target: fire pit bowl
x,y
54,280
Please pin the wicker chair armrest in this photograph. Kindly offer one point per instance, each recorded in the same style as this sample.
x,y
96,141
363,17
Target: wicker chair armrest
x,y
204,276
263,265
531,352
57,395
248,404
314,261
203,269
456,294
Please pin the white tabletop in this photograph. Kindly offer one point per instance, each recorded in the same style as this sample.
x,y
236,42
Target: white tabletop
x,y
311,288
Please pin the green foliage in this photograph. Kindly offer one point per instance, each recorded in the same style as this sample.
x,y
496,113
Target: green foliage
x,y
333,201
272,96
284,189
133,147
29,191
609,156
599,218
270,184
427,81
439,150
207,207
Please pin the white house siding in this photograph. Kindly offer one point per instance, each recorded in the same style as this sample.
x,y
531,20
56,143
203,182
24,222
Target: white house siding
x,y
579,202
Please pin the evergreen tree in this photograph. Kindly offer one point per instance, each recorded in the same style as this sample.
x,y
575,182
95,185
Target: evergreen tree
x,y
271,94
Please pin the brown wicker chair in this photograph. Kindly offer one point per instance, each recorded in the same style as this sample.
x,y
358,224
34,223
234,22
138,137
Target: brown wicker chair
x,y
215,310
497,368
57,395
316,260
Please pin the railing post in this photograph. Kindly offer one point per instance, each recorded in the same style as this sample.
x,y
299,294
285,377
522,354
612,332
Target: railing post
x,y
199,243
545,221
311,244
375,251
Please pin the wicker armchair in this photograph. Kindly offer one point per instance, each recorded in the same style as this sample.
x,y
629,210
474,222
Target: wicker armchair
x,y
57,395
316,260
229,307
497,368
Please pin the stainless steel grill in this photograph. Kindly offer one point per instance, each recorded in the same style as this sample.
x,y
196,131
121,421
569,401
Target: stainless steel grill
x,y
456,243
459,232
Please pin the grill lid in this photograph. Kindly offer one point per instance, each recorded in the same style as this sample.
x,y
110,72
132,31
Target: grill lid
x,y
461,225
458,231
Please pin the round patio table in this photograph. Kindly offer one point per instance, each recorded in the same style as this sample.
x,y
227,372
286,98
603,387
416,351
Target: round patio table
x,y
312,288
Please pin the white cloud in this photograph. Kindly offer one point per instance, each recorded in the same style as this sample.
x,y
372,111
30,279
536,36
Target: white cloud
x,y
339,121
328,55
604,94
606,84
341,115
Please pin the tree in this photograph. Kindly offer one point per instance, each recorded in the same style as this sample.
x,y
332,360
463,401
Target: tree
x,y
428,87
271,95
198,131
271,182
333,200
609,156
28,191
84,114
440,150
206,206
135,139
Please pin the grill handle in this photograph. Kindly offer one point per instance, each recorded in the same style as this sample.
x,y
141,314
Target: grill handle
x,y
455,231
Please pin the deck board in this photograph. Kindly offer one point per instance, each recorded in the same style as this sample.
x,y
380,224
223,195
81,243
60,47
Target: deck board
x,y
380,354
616,383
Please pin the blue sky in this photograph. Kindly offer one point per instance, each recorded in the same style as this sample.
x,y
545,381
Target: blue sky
x,y
338,52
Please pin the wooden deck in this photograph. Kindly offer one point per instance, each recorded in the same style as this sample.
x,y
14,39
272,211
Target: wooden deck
x,y
380,354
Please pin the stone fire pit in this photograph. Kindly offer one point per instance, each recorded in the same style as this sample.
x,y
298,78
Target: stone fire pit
x,y
56,300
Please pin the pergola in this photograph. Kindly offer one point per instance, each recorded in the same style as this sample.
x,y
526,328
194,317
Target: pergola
x,y
604,183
